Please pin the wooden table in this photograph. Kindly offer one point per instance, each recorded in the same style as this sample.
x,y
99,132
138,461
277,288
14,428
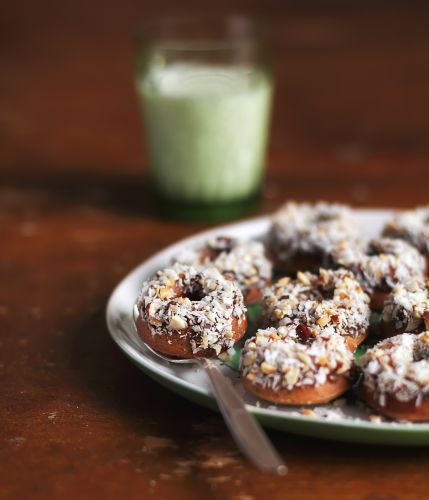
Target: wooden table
x,y
77,419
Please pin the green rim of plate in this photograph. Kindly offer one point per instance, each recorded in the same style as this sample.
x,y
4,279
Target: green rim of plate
x,y
363,432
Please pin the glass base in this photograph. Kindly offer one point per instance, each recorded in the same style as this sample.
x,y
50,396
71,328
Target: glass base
x,y
204,212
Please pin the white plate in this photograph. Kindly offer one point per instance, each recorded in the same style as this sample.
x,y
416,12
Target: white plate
x,y
348,422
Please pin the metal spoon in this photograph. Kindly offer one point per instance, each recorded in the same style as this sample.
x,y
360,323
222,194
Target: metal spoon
x,y
244,428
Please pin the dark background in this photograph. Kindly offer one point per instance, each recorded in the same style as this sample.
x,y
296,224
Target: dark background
x,y
352,87
77,419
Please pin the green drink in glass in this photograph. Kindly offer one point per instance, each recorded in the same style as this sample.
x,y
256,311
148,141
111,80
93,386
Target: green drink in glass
x,y
206,106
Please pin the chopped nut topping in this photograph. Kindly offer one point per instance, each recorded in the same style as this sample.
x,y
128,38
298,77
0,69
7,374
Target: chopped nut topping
x,y
308,412
323,361
376,419
267,369
304,358
177,323
303,278
323,321
249,360
278,313
291,377
283,281
165,293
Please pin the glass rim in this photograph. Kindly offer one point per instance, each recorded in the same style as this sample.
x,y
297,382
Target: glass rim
x,y
171,32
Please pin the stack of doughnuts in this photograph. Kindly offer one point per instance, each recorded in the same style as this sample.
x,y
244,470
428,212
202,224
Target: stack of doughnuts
x,y
315,313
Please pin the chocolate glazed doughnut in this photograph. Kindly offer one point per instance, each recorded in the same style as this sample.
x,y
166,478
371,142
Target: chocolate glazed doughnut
x,y
395,377
380,266
279,366
412,226
189,313
406,309
243,261
330,301
302,235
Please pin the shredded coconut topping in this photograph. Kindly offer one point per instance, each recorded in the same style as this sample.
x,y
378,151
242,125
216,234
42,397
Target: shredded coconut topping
x,y
383,264
411,225
398,367
244,260
276,358
328,302
200,304
306,228
408,306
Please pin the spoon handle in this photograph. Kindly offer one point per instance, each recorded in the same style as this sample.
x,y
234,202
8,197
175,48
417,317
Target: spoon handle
x,y
246,431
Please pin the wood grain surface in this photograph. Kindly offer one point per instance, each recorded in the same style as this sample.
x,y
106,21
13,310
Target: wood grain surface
x,y
77,419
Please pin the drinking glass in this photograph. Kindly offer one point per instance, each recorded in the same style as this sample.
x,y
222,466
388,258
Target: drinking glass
x,y
205,89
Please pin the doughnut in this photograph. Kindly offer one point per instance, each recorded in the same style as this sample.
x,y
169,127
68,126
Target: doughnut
x,y
395,377
276,365
412,226
190,313
406,309
302,235
244,261
330,301
380,266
